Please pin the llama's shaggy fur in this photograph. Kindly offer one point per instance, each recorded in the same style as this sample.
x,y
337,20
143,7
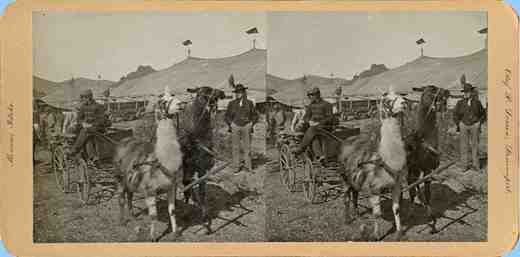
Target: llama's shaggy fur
x,y
167,147
391,148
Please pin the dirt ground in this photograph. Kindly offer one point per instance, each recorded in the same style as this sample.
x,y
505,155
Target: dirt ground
x,y
459,205
236,209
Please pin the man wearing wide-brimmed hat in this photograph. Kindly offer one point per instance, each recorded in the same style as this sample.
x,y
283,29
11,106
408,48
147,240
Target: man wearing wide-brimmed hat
x,y
241,116
468,116
275,117
319,116
91,118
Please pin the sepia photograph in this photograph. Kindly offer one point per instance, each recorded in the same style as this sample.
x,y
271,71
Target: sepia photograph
x,y
259,128
146,126
377,127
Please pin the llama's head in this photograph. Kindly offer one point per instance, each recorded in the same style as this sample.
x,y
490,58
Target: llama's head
x,y
393,104
168,104
433,98
207,96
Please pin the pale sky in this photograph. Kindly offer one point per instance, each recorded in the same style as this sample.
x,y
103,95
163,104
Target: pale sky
x,y
348,42
114,44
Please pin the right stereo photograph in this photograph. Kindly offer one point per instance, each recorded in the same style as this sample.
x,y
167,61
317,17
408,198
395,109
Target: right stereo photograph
x,y
377,127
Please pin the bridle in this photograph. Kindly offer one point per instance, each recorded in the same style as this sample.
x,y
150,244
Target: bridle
x,y
434,102
387,106
164,107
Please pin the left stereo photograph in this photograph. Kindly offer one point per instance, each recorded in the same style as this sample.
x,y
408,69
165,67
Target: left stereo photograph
x,y
148,126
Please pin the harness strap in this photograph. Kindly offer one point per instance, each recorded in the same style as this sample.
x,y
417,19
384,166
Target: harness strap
x,y
154,164
379,162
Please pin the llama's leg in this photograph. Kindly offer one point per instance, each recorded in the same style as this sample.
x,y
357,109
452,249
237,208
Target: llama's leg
x,y
396,199
203,201
376,213
427,198
188,193
346,201
150,201
172,192
122,193
129,199
351,198
412,192
355,197
186,180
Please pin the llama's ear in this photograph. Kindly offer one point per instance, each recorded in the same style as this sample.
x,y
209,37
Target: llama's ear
x,y
391,90
463,79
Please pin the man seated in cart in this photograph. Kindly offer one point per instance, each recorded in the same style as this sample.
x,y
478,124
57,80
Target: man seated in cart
x,y
319,116
91,119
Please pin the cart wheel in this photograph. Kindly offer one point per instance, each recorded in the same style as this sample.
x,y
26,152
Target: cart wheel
x,y
310,184
83,180
291,178
283,161
59,168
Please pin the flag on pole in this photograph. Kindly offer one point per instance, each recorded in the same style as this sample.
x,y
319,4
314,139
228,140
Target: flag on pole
x,y
231,81
252,31
420,41
483,31
186,42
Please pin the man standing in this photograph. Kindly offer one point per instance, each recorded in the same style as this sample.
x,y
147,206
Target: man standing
x,y
276,119
468,116
241,116
91,118
319,116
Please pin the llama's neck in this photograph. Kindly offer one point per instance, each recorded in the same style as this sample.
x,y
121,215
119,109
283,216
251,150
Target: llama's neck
x,y
167,147
391,146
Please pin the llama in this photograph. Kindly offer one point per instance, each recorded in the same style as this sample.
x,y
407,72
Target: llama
x,y
423,144
151,168
373,163
174,158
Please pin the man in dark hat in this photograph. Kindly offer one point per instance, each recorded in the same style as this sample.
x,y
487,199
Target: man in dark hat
x,y
276,118
91,118
241,116
468,116
319,116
